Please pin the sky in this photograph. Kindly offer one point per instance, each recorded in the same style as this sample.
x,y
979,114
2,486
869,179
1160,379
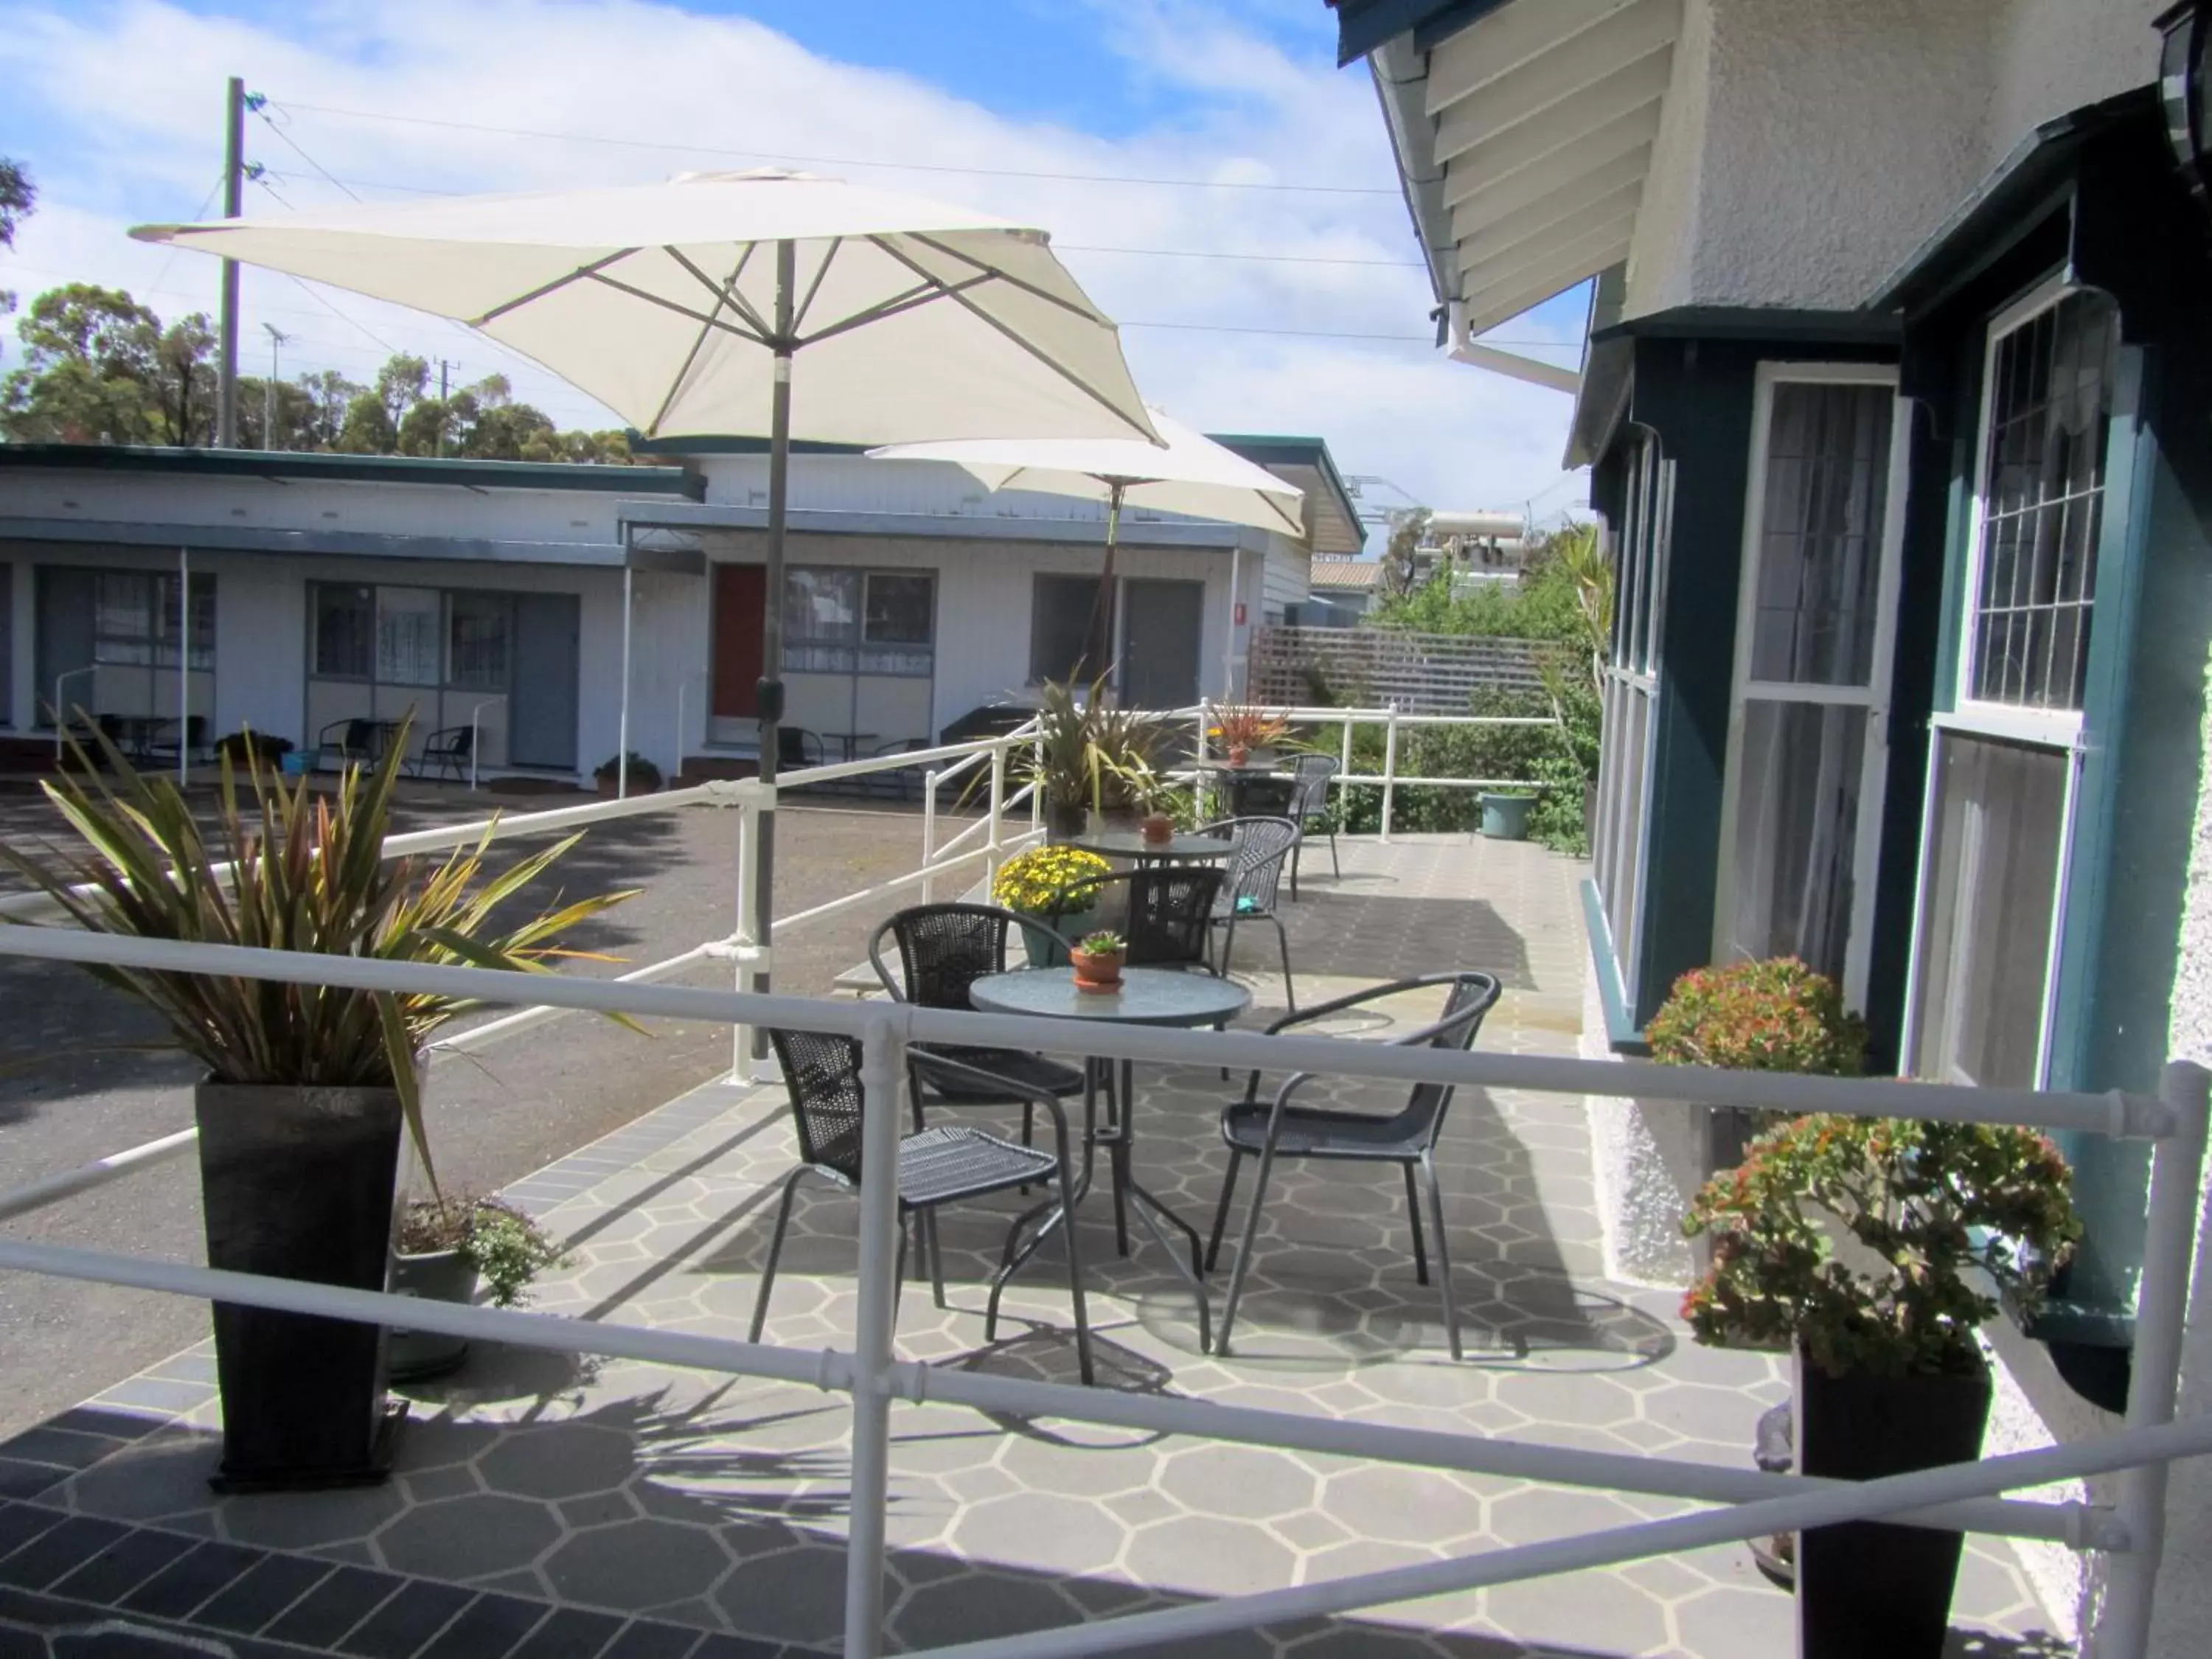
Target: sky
x,y
1217,186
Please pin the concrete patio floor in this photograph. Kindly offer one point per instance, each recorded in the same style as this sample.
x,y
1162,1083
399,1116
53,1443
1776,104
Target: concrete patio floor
x,y
544,1507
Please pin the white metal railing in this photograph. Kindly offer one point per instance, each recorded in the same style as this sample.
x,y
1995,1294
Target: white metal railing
x,y
1961,1496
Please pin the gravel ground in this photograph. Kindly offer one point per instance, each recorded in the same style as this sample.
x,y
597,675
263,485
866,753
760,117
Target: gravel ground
x,y
79,1080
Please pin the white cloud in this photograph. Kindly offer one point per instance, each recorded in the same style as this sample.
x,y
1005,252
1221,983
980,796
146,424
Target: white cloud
x,y
126,126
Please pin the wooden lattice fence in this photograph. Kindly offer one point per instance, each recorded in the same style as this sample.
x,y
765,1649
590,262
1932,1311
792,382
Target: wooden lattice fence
x,y
1383,668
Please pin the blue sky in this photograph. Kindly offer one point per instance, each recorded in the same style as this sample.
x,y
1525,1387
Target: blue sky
x,y
1284,295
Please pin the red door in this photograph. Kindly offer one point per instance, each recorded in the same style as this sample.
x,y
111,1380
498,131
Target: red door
x,y
740,595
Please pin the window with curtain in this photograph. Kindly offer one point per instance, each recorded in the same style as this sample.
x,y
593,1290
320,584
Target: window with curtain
x,y
480,629
899,623
821,620
1805,761
134,619
407,644
345,631
1060,623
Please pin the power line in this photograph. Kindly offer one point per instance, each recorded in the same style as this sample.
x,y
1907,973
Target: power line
x,y
843,160
270,122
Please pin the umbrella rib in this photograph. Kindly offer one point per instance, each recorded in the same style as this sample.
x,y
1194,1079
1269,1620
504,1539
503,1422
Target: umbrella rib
x,y
1089,313
726,293
708,319
553,287
911,299
799,317
981,315
691,357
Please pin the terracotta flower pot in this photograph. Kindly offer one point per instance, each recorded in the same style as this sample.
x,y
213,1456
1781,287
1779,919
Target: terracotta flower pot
x,y
1238,754
1096,970
1158,828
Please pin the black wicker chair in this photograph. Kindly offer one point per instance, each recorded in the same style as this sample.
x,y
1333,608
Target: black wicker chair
x,y
1166,920
822,1071
349,741
1407,1137
1263,846
446,751
1309,805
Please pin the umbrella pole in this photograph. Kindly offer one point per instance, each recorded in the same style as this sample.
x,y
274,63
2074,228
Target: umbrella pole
x,y
771,682
1098,658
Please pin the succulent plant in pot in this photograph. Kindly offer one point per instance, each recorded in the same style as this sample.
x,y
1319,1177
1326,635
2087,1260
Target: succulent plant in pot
x,y
1096,959
1874,1249
307,1088
451,1246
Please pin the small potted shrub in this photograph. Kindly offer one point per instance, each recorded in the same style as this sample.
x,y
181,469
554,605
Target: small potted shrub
x,y
1771,1015
1098,961
1242,730
1158,828
1874,1249
307,1092
449,1247
1032,881
644,775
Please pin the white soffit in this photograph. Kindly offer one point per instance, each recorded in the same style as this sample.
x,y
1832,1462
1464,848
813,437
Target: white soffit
x,y
1545,112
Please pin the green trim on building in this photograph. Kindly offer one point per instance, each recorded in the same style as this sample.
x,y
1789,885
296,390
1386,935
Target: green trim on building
x,y
309,466
1622,1033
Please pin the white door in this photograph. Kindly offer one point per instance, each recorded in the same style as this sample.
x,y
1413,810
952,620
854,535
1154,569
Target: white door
x,y
1808,745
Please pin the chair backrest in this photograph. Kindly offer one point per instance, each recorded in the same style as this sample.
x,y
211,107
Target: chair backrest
x,y
1467,997
1255,867
943,949
1309,794
360,734
822,1071
1169,909
791,745
1268,794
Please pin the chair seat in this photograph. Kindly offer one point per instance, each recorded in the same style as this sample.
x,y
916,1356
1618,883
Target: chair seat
x,y
958,1162
1317,1131
1033,1071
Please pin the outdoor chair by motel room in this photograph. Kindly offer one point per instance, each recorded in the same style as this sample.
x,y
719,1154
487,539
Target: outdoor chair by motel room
x,y
1309,805
1263,846
936,1166
1407,1138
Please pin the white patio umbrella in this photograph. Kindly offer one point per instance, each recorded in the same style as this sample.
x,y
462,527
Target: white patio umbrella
x,y
682,306
1191,475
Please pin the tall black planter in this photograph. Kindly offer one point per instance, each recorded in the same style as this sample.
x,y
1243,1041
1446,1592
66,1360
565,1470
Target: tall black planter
x,y
300,1183
1064,821
1868,1586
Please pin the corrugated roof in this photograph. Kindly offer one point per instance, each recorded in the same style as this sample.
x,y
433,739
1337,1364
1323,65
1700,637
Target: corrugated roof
x,y
1344,573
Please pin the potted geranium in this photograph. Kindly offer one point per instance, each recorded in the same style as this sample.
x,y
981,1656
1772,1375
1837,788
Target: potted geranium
x,y
1032,882
1873,1248
449,1249
1098,959
307,1088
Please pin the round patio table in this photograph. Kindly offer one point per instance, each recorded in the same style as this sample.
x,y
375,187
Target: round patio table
x,y
1131,844
1148,996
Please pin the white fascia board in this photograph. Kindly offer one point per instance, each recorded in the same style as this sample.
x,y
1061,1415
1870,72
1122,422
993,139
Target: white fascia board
x,y
1573,70
1504,41
1618,183
1513,266
1486,310
1641,85
1528,370
1488,197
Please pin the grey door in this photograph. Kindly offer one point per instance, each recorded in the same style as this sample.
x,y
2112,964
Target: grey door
x,y
1160,642
541,727
65,639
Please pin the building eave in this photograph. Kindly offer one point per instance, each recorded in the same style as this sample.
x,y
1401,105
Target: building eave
x,y
291,466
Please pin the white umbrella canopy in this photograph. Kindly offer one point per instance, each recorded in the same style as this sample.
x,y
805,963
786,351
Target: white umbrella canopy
x,y
915,320
1191,475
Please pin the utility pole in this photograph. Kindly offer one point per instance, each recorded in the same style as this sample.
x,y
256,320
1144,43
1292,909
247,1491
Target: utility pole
x,y
234,183
276,339
438,442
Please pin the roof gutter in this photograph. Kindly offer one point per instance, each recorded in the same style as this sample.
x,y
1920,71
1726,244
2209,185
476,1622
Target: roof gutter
x,y
1401,79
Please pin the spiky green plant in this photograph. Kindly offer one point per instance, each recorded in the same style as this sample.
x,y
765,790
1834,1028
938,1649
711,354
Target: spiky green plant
x,y
300,872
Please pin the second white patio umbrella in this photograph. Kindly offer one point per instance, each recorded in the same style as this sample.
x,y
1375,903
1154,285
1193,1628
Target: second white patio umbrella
x,y
1193,476
683,306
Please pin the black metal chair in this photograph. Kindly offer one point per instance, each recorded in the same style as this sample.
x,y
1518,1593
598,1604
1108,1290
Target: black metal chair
x,y
447,750
1309,805
357,742
1262,846
796,747
1407,1137
1166,920
822,1072
943,949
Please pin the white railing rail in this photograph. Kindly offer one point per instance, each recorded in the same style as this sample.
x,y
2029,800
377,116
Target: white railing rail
x,y
875,1379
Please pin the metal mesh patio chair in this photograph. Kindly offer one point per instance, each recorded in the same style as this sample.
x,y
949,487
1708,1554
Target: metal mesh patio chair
x,y
1167,921
446,751
943,949
943,1166
1406,1138
1262,846
1309,805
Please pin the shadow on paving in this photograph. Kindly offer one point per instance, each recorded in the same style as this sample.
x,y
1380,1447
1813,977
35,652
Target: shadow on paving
x,y
641,1508
1359,929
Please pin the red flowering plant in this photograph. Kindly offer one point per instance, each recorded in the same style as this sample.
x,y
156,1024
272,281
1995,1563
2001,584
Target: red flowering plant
x,y
1775,1015
1878,1244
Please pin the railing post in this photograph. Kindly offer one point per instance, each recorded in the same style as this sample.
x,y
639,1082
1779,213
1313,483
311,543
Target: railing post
x,y
998,812
746,931
1344,765
928,834
1037,785
1390,768
2177,1187
883,1077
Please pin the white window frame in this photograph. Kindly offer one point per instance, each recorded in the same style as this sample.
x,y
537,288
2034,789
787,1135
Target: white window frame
x,y
1873,696
2056,729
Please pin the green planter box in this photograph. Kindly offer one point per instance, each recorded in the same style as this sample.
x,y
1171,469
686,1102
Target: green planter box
x,y
1505,817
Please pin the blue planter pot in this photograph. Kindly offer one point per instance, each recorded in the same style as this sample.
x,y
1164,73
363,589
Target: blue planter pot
x,y
1043,951
1505,817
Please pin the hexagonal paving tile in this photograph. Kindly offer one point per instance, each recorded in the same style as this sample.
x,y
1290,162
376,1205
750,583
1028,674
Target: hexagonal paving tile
x,y
1038,1529
1195,1552
1401,1505
562,1460
648,1564
1238,1481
